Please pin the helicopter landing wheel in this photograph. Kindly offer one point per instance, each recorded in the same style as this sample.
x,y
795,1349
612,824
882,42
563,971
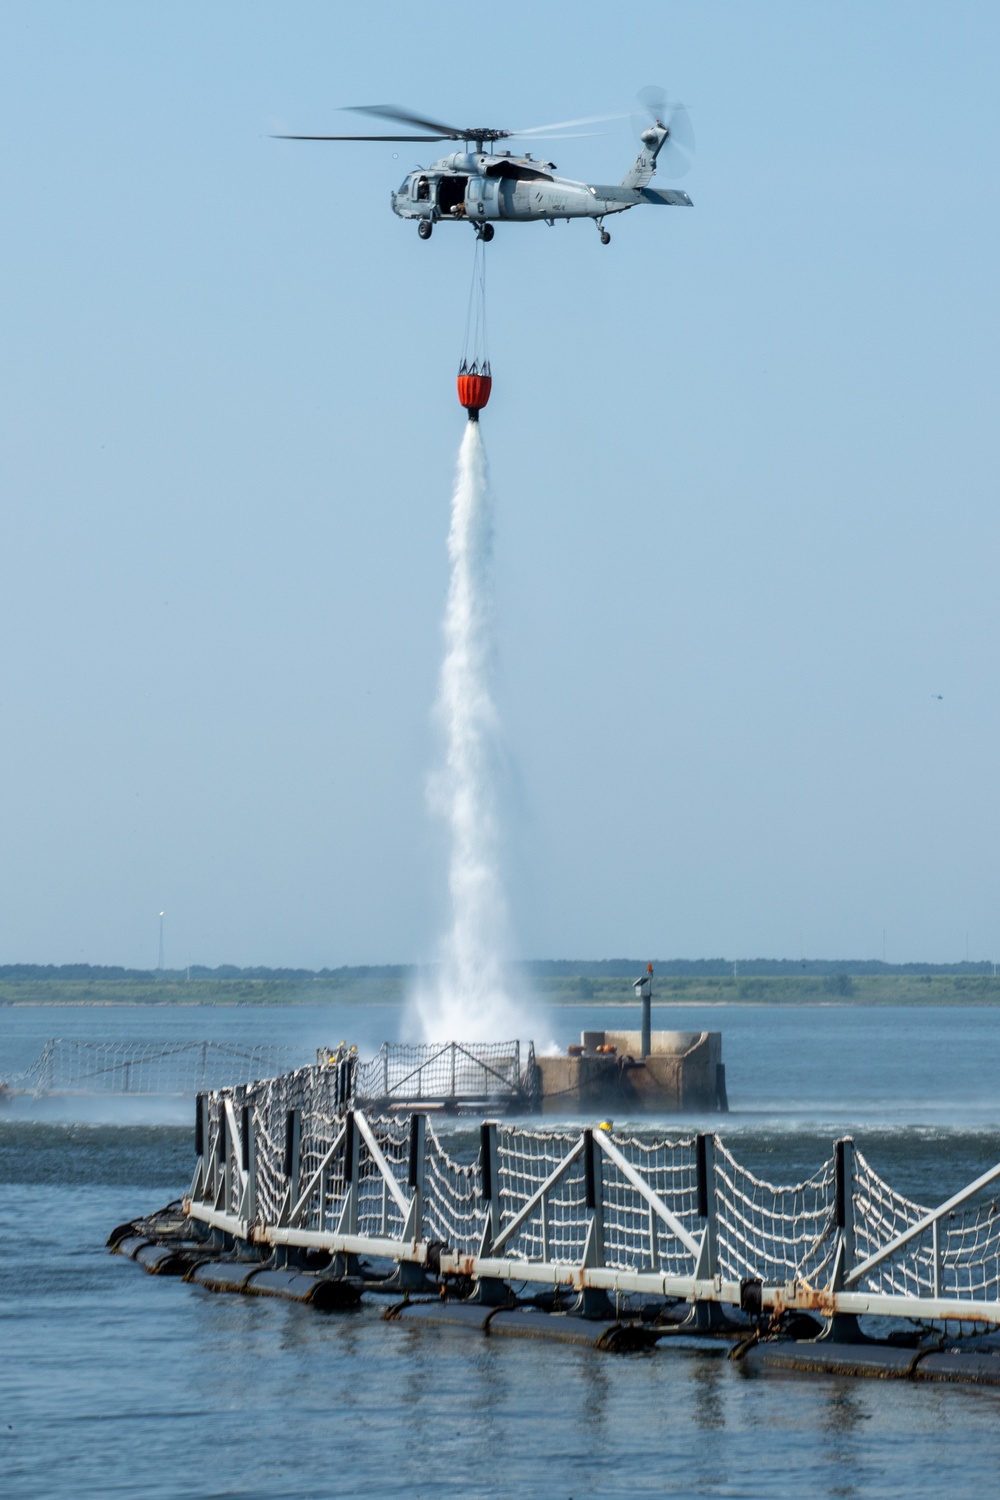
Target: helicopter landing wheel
x,y
605,237
424,229
487,232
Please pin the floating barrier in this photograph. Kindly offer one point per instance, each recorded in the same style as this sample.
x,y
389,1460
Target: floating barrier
x,y
66,1066
168,1244
295,1194
879,1361
529,1323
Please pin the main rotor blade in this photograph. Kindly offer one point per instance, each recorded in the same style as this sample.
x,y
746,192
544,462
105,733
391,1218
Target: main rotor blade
x,y
653,101
565,124
406,117
362,138
572,135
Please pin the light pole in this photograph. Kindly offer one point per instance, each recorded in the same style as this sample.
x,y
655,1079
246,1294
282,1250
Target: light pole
x,y
644,992
160,961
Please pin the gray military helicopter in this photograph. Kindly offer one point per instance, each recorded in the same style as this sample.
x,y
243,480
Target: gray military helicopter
x,y
480,188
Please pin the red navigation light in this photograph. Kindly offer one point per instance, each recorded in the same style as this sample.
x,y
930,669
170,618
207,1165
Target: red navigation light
x,y
474,386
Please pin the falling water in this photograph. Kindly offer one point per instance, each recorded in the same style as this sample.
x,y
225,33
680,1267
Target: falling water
x,y
471,999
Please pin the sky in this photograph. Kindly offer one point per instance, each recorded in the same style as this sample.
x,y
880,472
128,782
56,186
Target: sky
x,y
744,465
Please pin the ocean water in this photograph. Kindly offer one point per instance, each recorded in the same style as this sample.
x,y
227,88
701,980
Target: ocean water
x,y
118,1383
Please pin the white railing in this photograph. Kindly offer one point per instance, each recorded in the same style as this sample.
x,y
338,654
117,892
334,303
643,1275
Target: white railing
x,y
282,1163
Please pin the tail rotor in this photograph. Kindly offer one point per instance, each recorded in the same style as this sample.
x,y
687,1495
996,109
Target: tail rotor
x,y
652,110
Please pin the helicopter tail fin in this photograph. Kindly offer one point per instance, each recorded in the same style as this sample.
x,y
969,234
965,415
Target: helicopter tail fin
x,y
641,171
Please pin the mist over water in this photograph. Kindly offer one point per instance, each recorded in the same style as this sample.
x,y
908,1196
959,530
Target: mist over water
x,y
470,998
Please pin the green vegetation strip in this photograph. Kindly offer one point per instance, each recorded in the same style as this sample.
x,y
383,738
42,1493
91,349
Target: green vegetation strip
x,y
391,986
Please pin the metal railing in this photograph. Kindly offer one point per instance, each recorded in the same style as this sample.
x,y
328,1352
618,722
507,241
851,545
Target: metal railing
x,y
281,1163
451,1075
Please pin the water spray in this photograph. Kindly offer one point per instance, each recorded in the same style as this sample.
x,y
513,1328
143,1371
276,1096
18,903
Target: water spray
x,y
471,1000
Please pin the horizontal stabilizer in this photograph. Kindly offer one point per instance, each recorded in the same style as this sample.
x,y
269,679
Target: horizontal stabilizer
x,y
670,197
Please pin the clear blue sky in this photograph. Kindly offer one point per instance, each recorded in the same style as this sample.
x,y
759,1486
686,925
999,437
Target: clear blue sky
x,y
745,462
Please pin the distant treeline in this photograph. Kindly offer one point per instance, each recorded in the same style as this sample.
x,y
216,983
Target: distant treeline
x,y
744,967
544,968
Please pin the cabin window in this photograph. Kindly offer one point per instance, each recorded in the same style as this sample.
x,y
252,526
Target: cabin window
x,y
423,190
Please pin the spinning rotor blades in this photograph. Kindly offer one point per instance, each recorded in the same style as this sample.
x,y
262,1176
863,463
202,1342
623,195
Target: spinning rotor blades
x,y
677,154
450,132
674,159
389,112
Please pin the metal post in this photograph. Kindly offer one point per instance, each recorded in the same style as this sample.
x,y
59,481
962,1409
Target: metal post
x,y
248,1134
346,1264
415,1178
293,1138
451,1094
352,1151
937,1256
843,1328
594,1191
490,1290
593,1302
707,1315
224,1155
644,992
490,1183
199,1184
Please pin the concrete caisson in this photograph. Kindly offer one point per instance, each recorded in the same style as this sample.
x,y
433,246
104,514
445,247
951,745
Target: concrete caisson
x,y
607,1072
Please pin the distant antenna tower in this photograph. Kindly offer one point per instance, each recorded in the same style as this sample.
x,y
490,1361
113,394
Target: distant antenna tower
x,y
159,963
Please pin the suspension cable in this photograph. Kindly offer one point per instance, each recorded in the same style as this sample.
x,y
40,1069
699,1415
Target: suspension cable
x,y
475,347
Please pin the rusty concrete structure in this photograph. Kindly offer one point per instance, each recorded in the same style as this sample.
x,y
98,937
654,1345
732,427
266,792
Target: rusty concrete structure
x,y
607,1073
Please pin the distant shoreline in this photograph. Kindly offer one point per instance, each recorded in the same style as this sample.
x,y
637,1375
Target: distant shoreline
x,y
554,985
547,1001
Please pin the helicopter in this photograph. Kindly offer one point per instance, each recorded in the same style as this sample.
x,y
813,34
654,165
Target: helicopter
x,y
482,188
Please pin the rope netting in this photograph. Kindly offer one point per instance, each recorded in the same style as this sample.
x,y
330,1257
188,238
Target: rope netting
x,y
635,1236
557,1231
454,1211
778,1233
153,1067
965,1263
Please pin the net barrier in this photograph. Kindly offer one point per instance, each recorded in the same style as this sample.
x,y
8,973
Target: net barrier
x,y
450,1074
632,1211
66,1066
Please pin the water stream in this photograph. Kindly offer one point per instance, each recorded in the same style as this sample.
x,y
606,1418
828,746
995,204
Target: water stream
x,y
471,998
